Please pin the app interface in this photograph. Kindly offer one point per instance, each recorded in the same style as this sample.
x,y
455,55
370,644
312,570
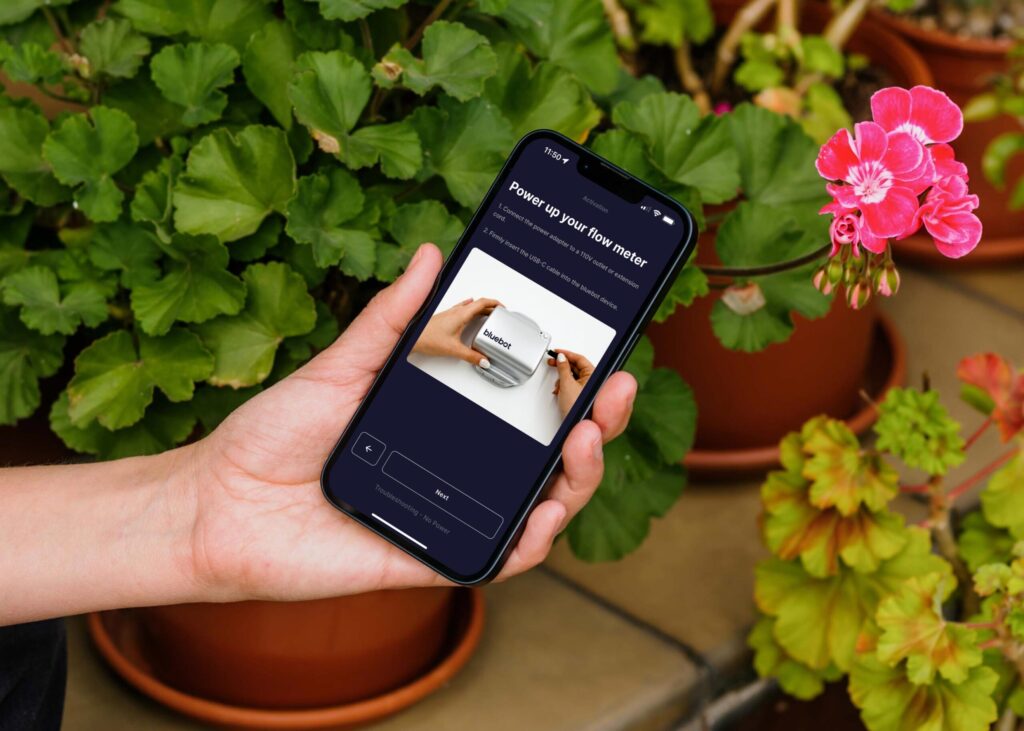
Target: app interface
x,y
555,273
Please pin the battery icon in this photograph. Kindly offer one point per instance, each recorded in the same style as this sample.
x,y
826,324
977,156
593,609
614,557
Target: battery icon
x,y
668,220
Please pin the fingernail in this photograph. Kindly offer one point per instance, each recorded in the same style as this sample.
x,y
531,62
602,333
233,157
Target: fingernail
x,y
561,357
598,448
485,364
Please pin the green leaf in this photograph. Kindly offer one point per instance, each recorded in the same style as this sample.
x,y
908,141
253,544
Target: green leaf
x,y
825,112
48,310
996,160
153,197
88,155
396,146
277,306
690,284
114,381
131,250
818,55
113,48
31,63
233,181
915,426
571,33
771,661
329,92
546,96
889,701
254,246
317,214
268,64
15,11
757,75
213,21
669,22
347,10
665,414
155,116
412,225
457,59
634,490
464,143
191,75
687,148
1003,499
25,357
981,543
641,362
196,287
21,157
165,425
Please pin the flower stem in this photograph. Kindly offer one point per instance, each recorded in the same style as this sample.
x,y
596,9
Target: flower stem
x,y
618,19
748,16
436,13
977,433
782,266
66,44
364,30
689,78
980,475
845,22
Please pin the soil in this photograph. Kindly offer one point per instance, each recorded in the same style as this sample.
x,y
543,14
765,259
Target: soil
x,y
996,20
831,710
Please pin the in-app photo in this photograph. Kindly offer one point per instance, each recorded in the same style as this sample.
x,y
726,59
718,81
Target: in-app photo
x,y
511,346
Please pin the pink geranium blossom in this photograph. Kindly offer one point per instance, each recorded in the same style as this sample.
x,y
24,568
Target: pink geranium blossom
x,y
946,214
877,169
926,114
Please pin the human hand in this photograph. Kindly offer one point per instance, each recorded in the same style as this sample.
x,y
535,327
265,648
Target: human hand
x,y
262,528
573,373
441,335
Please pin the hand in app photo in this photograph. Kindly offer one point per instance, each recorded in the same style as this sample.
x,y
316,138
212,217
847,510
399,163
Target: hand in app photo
x,y
441,336
573,373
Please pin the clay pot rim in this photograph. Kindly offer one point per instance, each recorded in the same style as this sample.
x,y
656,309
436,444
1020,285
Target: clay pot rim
x,y
345,715
999,250
731,462
949,42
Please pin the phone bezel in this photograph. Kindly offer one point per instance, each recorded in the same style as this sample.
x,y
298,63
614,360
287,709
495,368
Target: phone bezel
x,y
610,176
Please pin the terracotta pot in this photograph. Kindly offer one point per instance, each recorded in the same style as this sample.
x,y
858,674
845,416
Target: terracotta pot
x,y
963,68
297,655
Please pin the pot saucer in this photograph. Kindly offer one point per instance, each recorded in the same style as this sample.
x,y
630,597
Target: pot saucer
x,y
116,635
887,368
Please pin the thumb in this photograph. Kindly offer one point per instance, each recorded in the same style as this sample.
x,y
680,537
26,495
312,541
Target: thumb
x,y
471,356
369,339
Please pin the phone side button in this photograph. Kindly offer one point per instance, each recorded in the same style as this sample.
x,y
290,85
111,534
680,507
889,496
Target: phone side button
x,y
626,352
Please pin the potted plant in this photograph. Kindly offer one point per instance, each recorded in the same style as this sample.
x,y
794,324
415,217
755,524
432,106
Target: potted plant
x,y
966,43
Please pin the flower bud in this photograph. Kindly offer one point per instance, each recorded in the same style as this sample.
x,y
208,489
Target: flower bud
x,y
822,282
887,280
81,65
858,295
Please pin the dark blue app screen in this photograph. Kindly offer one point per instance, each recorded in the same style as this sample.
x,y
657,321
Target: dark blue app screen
x,y
553,277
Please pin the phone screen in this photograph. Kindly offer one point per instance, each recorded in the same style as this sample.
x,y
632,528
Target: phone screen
x,y
565,255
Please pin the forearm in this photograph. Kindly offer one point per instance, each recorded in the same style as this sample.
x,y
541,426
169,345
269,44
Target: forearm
x,y
77,538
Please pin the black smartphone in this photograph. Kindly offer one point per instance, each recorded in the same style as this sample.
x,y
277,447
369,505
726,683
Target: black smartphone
x,y
446,455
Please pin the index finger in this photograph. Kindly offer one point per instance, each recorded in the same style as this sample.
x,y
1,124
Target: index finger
x,y
484,303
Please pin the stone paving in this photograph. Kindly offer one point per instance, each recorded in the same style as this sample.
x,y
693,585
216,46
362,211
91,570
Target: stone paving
x,y
637,644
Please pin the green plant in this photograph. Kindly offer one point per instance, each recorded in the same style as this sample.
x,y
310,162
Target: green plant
x,y
925,620
1006,97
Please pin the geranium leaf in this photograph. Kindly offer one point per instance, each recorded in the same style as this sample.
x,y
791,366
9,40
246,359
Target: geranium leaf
x,y
165,425
21,157
686,147
641,361
396,146
233,181
670,22
771,661
213,21
15,11
634,490
889,701
254,246
347,10
915,426
114,381
244,345
25,357
128,249
412,225
48,310
154,197
88,155
113,48
571,33
980,542
191,76
317,214
546,96
464,143
268,64
690,284
457,59
329,92
196,287
665,414
155,116
31,63
1002,500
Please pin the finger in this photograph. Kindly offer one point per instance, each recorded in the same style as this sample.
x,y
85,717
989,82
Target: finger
x,y
564,369
542,528
613,404
367,341
484,303
471,356
582,468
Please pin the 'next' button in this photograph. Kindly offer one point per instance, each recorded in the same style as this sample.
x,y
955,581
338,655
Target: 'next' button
x,y
444,495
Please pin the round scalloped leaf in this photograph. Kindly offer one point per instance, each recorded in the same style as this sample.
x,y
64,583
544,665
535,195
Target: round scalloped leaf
x,y
191,76
21,157
268,64
214,21
1003,499
329,92
411,225
25,357
49,308
771,661
347,10
981,543
113,48
915,426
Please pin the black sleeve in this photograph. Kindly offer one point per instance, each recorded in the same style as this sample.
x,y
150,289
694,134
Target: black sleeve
x,y
33,670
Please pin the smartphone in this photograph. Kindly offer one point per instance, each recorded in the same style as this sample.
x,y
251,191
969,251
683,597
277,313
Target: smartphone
x,y
566,254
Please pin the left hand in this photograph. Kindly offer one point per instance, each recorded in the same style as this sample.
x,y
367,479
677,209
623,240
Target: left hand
x,y
262,528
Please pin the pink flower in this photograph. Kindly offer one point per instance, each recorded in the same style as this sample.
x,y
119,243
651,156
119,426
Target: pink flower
x,y
945,162
844,232
926,114
722,108
946,214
